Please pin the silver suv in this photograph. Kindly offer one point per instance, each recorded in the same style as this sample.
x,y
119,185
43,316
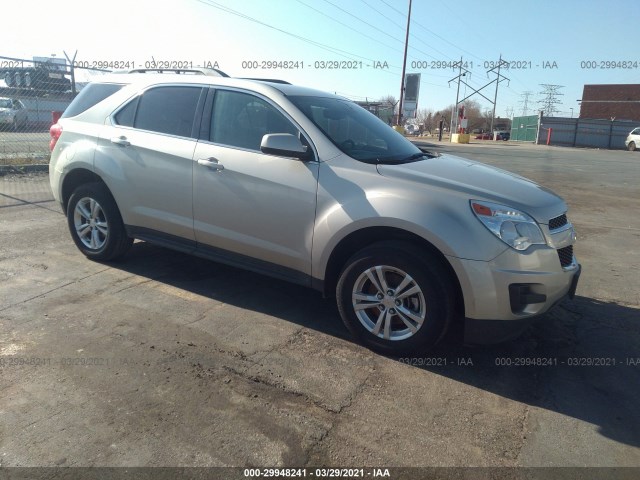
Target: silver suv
x,y
306,186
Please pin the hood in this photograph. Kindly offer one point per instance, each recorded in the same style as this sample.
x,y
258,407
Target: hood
x,y
480,182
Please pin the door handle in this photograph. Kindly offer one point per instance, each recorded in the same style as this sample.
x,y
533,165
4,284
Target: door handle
x,y
211,163
122,140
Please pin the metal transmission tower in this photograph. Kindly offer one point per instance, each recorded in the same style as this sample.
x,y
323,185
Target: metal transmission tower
x,y
499,78
525,102
462,72
550,100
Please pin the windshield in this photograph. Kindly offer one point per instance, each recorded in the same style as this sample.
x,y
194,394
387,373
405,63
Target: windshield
x,y
5,103
357,132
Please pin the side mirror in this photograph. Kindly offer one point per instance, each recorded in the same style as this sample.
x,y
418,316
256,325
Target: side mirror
x,y
284,145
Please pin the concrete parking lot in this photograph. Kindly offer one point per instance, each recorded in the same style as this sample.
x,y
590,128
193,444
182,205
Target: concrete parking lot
x,y
168,360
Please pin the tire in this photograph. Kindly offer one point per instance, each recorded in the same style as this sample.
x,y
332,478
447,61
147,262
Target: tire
x,y
95,223
632,146
395,323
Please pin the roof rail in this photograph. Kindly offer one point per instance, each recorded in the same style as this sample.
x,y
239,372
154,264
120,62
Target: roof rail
x,y
212,72
272,80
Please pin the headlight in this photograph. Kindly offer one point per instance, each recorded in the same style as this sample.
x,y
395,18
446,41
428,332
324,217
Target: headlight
x,y
513,227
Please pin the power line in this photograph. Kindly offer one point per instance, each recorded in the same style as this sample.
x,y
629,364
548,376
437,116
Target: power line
x,y
393,8
362,21
349,27
334,50
382,14
432,33
382,31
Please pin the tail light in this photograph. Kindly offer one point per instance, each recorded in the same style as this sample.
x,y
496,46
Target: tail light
x,y
55,131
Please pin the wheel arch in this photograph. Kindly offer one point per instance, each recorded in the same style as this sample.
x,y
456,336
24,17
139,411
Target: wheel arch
x,y
365,237
74,179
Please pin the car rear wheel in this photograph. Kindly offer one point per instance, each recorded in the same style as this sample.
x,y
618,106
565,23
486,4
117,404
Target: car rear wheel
x,y
395,299
95,223
632,146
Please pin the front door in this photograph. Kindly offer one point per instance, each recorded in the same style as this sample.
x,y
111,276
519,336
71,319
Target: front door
x,y
257,206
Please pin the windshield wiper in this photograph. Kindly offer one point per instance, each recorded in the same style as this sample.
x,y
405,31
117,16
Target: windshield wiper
x,y
415,156
397,161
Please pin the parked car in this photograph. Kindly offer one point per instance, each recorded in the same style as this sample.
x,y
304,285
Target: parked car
x,y
13,114
633,139
308,187
411,129
484,136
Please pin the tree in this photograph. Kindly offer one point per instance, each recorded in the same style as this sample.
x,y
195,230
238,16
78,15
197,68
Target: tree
x,y
424,117
473,112
390,100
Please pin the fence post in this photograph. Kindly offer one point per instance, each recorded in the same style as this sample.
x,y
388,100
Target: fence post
x,y
575,133
539,125
611,132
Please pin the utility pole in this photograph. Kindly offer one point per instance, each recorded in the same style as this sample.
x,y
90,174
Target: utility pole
x,y
459,79
404,67
501,63
72,70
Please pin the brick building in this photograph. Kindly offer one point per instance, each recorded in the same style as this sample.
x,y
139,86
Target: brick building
x,y
607,101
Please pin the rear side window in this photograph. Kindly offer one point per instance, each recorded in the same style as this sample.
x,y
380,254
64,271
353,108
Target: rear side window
x,y
89,96
170,110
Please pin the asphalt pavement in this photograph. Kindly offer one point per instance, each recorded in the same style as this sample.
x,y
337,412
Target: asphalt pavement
x,y
163,359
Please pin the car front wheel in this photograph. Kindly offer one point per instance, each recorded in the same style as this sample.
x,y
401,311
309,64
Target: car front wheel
x,y
395,299
632,146
95,223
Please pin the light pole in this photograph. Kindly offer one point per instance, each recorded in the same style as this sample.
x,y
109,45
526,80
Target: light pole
x,y
404,66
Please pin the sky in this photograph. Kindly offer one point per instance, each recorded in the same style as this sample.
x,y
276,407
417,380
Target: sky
x,y
352,47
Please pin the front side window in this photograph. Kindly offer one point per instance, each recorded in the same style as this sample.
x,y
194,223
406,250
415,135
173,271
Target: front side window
x,y
241,120
357,132
170,110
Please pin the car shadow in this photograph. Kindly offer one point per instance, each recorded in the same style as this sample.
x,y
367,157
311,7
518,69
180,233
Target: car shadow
x,y
581,360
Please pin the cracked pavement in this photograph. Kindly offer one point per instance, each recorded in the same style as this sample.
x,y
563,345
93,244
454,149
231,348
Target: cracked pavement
x,y
163,359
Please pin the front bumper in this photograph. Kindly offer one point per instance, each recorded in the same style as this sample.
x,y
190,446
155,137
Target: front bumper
x,y
505,294
486,332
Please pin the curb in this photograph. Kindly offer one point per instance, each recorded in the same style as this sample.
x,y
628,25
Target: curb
x,y
8,169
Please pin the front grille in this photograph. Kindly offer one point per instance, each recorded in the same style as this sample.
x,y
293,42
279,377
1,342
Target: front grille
x,y
558,222
566,255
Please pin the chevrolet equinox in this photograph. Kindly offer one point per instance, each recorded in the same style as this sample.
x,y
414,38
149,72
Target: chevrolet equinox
x,y
308,187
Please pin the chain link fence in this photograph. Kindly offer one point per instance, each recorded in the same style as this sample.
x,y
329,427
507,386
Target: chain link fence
x,y
33,93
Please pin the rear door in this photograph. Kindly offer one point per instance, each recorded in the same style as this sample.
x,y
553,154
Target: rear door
x,y
147,156
256,206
